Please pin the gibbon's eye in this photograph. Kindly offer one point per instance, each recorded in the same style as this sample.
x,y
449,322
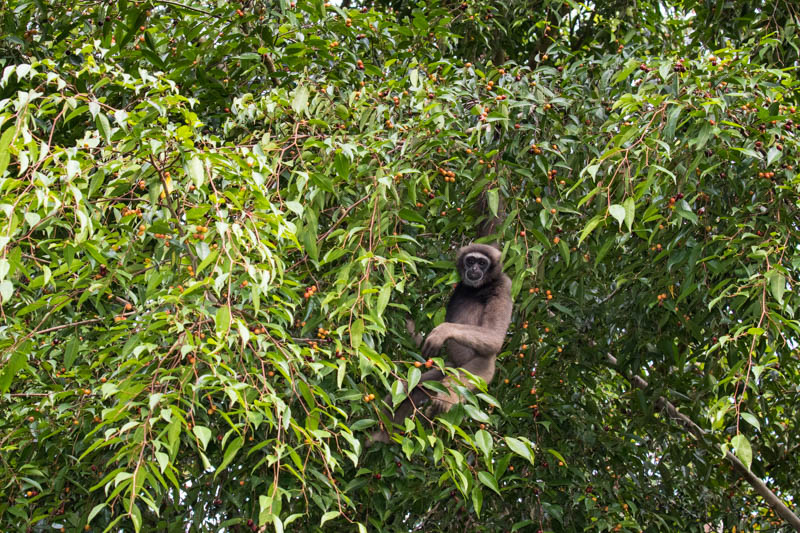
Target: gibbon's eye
x,y
470,261
483,263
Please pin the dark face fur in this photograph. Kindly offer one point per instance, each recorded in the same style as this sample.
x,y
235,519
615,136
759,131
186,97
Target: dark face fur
x,y
478,264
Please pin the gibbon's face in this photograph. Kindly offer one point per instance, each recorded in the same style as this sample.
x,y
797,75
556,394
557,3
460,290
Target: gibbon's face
x,y
476,266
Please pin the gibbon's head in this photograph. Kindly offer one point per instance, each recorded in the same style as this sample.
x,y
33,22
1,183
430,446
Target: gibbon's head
x,y
478,264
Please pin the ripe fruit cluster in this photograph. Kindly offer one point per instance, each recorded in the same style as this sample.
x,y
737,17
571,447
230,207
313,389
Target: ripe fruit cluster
x,y
200,232
675,198
369,397
449,175
428,363
323,333
311,291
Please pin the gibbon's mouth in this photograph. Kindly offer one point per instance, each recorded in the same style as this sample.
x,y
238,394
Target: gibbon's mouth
x,y
474,276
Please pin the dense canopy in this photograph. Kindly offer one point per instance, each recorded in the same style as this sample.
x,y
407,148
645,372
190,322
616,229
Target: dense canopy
x,y
216,217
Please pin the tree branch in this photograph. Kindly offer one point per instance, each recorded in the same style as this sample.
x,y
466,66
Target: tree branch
x,y
699,433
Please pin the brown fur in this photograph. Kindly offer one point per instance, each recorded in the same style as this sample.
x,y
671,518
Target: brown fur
x,y
473,333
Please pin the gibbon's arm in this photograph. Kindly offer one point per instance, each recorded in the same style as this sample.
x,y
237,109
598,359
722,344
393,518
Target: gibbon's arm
x,y
485,341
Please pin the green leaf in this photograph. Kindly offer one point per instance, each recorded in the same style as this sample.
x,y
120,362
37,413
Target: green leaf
x,y
477,499
32,218
618,212
475,413
752,420
6,291
5,153
103,126
14,364
196,171
163,461
330,515
589,227
223,321
773,155
136,516
520,448
627,70
383,298
484,441
777,284
743,449
230,453
413,377
265,509
96,509
203,434
411,216
71,352
300,100
398,392
488,479
356,331
493,200
557,455
342,163
630,211
685,211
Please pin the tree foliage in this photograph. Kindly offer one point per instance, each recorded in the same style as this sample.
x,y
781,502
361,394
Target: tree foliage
x,y
216,217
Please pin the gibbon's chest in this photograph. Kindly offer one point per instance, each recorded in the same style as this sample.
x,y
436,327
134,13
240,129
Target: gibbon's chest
x,y
467,306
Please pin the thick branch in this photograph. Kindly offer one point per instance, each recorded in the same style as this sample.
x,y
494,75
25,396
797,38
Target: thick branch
x,y
760,487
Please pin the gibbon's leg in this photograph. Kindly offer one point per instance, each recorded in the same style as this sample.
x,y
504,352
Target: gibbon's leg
x,y
418,397
482,367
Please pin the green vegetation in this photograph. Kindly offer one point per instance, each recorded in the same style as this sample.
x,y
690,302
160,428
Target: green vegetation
x,y
215,218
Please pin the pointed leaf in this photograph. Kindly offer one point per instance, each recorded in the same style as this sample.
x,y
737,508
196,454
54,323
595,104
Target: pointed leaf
x,y
488,480
494,200
223,320
413,377
203,434
743,449
618,212
196,171
630,211
777,285
300,100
